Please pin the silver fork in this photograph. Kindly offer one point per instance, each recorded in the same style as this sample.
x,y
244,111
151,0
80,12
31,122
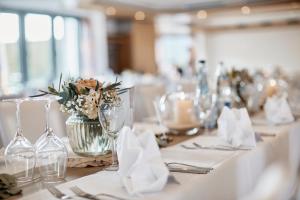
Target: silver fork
x,y
81,193
213,147
188,147
186,168
220,147
57,193
198,146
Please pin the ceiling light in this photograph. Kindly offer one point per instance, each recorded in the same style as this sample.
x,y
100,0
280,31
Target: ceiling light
x,y
202,14
245,10
111,11
139,15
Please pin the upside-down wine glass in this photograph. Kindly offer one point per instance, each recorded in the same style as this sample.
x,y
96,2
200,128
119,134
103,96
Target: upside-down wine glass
x,y
49,100
20,157
112,119
51,153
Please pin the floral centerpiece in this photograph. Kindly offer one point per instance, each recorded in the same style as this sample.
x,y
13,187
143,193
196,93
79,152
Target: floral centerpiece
x,y
81,99
239,80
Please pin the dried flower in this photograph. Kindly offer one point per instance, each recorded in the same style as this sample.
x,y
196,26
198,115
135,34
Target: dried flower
x,y
85,95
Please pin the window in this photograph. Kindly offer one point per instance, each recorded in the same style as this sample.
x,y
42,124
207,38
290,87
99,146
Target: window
x,y
35,48
67,45
10,74
38,48
173,50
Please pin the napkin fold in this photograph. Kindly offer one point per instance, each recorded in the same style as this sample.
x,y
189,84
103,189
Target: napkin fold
x,y
141,167
234,126
278,111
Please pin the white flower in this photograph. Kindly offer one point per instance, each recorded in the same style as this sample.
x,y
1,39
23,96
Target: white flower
x,y
68,104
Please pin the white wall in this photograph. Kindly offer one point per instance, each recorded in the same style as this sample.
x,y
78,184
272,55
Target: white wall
x,y
255,47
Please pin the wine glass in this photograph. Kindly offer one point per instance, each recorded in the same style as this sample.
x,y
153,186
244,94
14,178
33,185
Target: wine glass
x,y
20,154
51,153
112,118
49,100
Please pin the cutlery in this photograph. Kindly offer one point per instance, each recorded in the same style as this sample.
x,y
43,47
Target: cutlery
x,y
79,192
245,148
213,147
188,147
220,147
197,146
57,193
267,134
186,168
189,171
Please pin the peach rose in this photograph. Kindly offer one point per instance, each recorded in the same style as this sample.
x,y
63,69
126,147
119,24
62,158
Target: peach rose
x,y
87,83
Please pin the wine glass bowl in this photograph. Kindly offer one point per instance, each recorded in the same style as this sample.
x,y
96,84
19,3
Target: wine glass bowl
x,y
51,152
20,159
20,154
51,158
112,118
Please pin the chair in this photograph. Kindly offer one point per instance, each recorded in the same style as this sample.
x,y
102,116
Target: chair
x,y
144,95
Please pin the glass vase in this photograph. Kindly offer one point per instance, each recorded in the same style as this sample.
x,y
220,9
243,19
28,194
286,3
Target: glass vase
x,y
86,136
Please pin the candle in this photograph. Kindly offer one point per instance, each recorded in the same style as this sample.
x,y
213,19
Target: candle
x,y
184,111
271,88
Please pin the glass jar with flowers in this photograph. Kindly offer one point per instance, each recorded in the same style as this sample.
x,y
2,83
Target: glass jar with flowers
x,y
81,98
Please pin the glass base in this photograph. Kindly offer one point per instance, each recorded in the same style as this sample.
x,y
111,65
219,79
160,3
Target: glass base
x,y
52,177
52,180
24,180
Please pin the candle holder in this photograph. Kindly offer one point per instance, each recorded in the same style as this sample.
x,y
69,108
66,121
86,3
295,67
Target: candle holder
x,y
178,112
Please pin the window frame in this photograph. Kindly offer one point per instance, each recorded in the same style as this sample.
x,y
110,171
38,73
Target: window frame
x,y
23,44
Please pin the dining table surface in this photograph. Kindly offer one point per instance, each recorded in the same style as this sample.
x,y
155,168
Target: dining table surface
x,y
234,176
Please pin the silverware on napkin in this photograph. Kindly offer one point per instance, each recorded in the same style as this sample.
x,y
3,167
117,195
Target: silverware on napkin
x,y
79,192
57,193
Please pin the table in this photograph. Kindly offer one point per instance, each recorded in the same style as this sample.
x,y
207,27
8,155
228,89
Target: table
x,y
234,178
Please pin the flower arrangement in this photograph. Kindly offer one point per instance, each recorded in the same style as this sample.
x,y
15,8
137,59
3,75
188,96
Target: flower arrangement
x,y
239,80
84,96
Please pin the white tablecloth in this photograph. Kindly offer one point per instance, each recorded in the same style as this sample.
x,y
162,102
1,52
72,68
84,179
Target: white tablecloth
x,y
235,174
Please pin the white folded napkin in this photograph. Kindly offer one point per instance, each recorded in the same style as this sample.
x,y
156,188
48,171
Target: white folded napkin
x,y
141,167
278,111
234,126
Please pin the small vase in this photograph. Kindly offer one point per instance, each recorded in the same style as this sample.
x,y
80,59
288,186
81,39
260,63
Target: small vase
x,y
86,136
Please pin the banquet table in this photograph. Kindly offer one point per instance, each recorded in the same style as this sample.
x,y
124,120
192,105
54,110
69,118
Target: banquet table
x,y
234,176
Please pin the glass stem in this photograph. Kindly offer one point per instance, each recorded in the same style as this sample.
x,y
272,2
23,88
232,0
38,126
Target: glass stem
x,y
114,152
47,108
19,129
